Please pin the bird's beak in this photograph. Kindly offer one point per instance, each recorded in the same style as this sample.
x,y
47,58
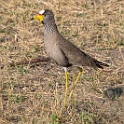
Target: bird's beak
x,y
39,17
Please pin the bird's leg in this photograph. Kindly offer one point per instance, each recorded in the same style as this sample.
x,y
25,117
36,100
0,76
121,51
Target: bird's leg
x,y
66,86
79,74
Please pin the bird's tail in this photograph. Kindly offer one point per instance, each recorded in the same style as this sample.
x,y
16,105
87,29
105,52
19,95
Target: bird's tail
x,y
100,64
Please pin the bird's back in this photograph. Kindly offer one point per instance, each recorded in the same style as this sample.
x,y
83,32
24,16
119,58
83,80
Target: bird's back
x,y
76,56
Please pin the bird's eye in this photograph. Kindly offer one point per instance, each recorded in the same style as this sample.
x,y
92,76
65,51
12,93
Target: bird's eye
x,y
45,14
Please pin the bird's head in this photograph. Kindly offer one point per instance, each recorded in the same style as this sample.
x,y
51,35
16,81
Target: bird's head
x,y
44,16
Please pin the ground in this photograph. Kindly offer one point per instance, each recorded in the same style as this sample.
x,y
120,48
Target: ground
x,y
34,93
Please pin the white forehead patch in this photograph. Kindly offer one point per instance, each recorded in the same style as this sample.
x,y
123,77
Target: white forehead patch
x,y
41,12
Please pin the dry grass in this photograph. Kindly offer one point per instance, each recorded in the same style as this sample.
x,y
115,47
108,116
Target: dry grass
x,y
33,94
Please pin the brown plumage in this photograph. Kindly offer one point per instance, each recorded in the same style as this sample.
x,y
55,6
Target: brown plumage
x,y
61,50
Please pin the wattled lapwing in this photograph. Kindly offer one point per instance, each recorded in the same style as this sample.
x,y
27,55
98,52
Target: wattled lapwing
x,y
63,52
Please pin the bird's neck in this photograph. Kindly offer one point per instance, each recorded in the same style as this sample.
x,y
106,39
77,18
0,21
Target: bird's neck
x,y
50,28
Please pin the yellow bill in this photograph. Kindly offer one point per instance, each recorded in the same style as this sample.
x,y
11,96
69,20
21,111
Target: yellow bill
x,y
39,17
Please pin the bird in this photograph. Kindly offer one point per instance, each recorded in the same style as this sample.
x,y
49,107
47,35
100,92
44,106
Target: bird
x,y
62,51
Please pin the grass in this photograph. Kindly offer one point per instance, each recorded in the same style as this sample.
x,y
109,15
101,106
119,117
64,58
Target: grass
x,y
33,94
54,119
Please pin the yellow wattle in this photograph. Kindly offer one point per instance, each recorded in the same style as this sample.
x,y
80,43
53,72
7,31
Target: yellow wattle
x,y
39,17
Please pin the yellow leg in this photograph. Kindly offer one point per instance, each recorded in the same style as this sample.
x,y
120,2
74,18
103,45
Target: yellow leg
x,y
79,74
66,89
